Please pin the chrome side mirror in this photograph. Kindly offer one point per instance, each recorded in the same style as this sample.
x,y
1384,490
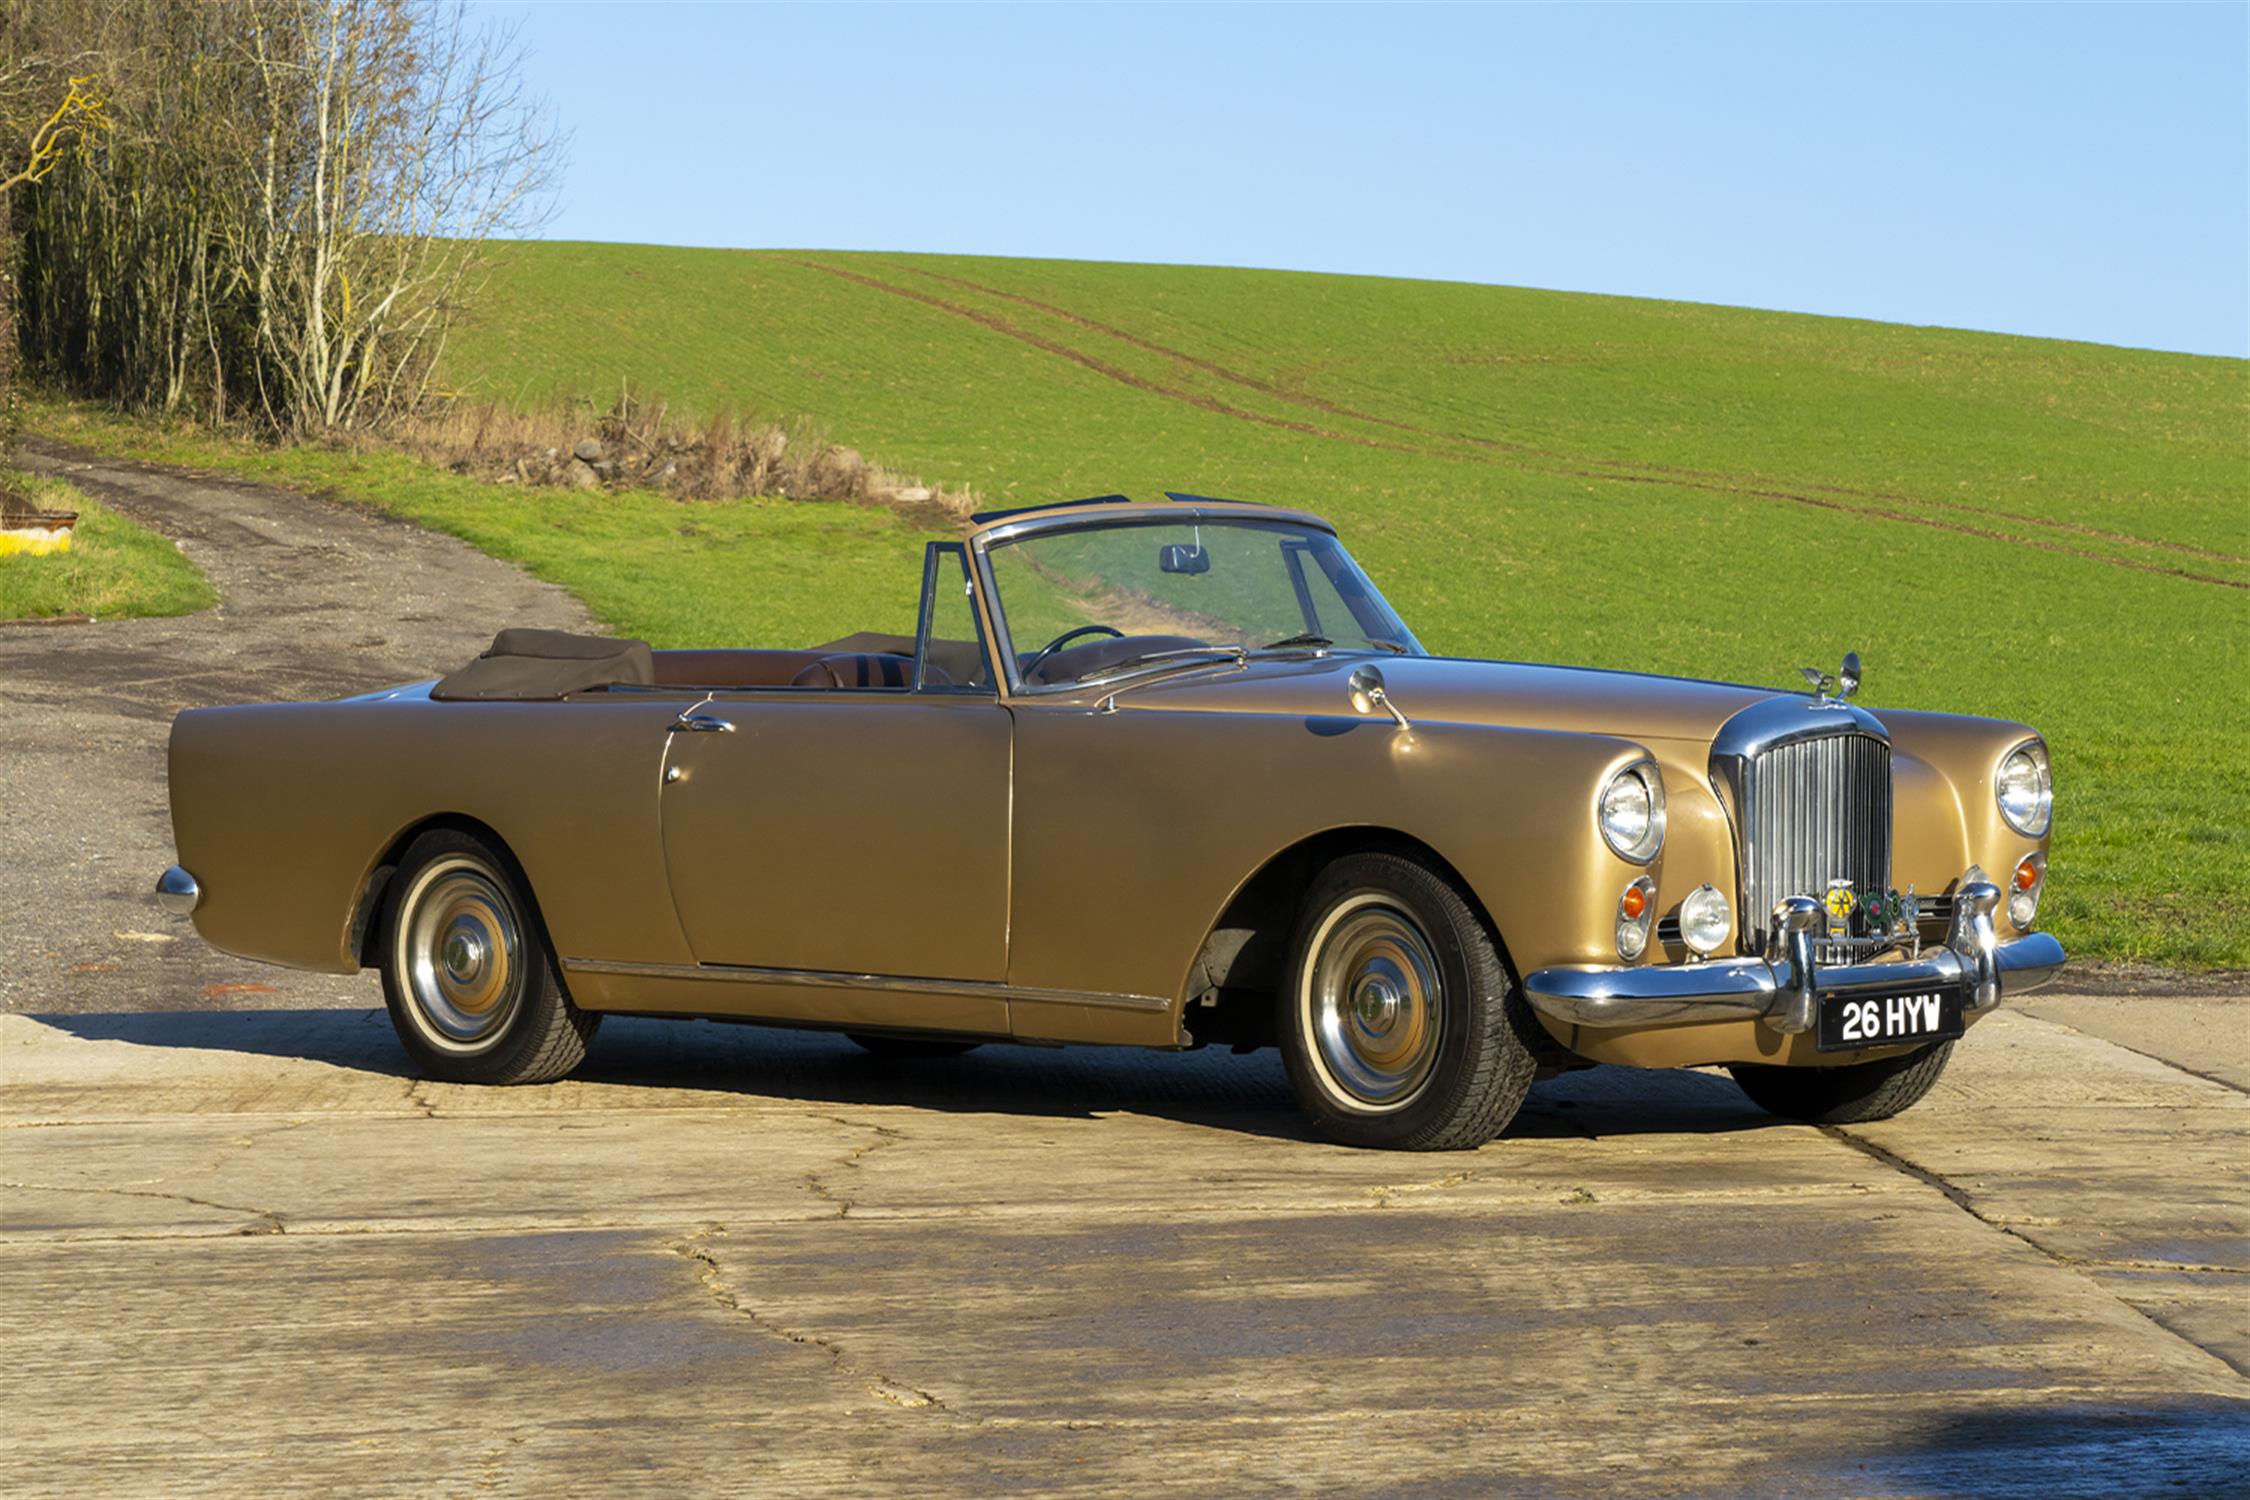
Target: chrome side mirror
x,y
1847,680
1365,686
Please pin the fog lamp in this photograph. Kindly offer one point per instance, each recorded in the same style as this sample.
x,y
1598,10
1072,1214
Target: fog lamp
x,y
2024,890
1636,913
1705,920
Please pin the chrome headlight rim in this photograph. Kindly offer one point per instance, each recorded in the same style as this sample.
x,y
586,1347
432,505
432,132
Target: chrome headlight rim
x,y
1651,840
2035,756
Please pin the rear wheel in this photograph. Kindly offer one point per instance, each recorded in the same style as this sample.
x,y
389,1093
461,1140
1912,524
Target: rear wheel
x,y
1849,1095
1400,1026
471,986
909,1046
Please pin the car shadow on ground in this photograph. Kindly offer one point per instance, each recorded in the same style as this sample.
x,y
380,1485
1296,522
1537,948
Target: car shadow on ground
x,y
1212,1087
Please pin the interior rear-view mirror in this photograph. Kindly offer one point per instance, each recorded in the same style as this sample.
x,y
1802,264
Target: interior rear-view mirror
x,y
1181,557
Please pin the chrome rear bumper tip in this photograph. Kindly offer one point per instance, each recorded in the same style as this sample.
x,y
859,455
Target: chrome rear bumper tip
x,y
177,892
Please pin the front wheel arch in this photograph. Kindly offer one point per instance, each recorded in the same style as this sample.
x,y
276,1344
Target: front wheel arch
x,y
1401,1025
1244,954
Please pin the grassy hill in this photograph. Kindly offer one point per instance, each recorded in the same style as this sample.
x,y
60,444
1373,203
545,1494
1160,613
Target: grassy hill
x,y
2053,532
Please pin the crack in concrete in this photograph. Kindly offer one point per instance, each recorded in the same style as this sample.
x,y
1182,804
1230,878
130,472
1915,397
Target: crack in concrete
x,y
815,1181
419,1101
1961,1200
268,1221
712,1277
2198,1268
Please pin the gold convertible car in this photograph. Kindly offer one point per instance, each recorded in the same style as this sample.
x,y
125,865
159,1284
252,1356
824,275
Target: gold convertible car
x,y
1162,775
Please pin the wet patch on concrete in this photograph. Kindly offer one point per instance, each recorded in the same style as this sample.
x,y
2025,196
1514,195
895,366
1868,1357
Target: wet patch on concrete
x,y
2124,1452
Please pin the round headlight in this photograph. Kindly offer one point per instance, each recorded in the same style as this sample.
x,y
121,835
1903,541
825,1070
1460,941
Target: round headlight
x,y
1705,919
1631,812
2025,786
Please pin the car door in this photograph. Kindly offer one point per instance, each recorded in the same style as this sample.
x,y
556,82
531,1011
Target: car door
x,y
850,830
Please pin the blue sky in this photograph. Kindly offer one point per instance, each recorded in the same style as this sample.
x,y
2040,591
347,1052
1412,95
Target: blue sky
x,y
2077,172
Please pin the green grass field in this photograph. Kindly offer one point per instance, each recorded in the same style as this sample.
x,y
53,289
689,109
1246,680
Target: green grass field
x,y
114,570
2053,532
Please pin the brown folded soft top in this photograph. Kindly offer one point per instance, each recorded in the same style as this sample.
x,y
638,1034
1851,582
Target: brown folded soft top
x,y
548,664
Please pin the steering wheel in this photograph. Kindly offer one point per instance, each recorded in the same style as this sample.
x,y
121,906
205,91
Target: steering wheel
x,y
1060,641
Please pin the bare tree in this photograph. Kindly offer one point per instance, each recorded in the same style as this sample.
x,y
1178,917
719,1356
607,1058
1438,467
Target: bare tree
x,y
35,139
415,147
293,207
38,143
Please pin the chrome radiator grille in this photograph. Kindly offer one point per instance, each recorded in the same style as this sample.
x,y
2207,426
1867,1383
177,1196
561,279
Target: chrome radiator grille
x,y
1815,811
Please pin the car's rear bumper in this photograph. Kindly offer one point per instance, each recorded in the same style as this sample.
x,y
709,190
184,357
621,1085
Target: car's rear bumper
x,y
1780,990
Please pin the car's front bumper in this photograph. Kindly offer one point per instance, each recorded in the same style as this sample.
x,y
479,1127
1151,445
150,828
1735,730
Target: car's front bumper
x,y
1781,988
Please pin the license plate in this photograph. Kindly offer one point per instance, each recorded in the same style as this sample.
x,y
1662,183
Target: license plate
x,y
1848,1022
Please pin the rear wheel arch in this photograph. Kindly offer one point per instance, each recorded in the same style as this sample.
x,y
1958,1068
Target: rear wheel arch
x,y
366,929
469,977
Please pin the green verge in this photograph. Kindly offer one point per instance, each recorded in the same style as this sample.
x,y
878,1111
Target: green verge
x,y
114,569
2050,532
672,572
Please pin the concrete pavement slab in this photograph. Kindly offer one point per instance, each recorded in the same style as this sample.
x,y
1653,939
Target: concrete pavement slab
x,y
2206,1034
243,1251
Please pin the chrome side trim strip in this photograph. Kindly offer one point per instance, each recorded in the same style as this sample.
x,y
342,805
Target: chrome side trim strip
x,y
824,979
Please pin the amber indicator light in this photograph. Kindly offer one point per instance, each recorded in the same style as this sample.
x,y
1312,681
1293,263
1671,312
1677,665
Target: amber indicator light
x,y
1636,901
2026,876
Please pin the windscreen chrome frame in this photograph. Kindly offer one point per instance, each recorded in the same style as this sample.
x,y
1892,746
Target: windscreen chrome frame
x,y
1002,642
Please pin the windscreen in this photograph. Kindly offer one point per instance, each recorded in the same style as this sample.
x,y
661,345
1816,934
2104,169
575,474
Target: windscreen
x,y
1086,600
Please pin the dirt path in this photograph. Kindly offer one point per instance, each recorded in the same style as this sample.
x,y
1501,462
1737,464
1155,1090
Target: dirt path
x,y
316,600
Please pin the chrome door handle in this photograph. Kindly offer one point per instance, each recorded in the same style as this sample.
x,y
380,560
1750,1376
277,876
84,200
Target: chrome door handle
x,y
702,724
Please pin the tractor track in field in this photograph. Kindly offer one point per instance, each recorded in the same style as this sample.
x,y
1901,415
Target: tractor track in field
x,y
1822,497
1312,402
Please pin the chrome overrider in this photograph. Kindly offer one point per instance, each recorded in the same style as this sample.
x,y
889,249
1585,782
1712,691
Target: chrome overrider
x,y
1780,987
177,892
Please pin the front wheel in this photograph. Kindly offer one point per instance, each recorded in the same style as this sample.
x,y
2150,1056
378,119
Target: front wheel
x,y
1850,1095
1400,1026
472,990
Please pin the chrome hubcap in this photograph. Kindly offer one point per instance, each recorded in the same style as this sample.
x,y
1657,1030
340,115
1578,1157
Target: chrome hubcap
x,y
464,953
1377,1001
460,950
1373,1003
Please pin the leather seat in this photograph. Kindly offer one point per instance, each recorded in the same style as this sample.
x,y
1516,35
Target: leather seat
x,y
863,669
